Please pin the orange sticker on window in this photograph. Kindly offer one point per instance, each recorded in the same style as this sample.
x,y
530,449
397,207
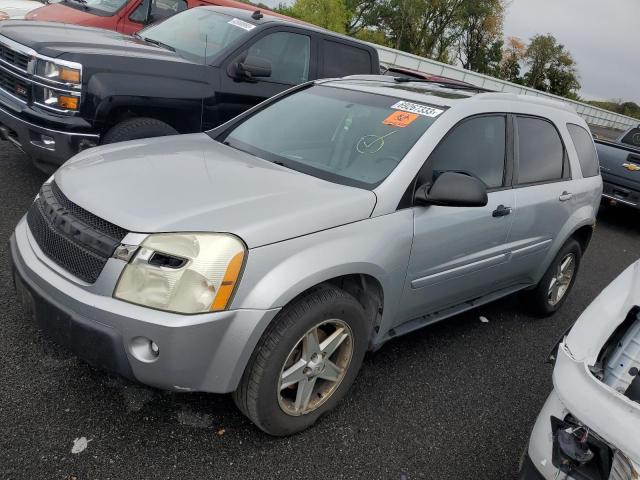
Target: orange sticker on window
x,y
400,119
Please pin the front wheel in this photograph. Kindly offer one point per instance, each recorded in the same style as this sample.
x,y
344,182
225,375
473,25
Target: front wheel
x,y
305,362
554,287
137,128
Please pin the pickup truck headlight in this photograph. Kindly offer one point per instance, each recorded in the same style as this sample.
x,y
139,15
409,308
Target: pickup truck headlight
x,y
58,72
183,272
58,100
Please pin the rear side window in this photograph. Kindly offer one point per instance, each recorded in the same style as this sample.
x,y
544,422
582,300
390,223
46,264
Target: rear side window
x,y
541,156
476,147
340,60
587,155
632,137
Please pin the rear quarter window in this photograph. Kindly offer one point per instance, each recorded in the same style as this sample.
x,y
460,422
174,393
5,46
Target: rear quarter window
x,y
587,155
340,59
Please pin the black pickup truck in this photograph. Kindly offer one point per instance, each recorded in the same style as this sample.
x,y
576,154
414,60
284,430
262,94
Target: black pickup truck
x,y
620,168
66,88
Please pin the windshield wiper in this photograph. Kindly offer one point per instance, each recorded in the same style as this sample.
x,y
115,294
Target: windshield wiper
x,y
152,41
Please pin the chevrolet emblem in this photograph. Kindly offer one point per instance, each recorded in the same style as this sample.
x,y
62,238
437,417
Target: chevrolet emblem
x,y
632,167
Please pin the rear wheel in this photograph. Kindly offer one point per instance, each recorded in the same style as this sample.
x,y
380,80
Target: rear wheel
x,y
305,362
552,291
136,128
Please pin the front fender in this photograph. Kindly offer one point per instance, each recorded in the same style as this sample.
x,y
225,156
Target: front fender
x,y
276,274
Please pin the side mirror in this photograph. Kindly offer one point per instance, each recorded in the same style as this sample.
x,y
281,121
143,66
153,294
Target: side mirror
x,y
452,189
253,67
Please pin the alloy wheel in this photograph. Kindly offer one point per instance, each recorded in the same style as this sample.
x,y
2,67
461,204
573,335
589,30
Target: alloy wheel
x,y
561,281
315,367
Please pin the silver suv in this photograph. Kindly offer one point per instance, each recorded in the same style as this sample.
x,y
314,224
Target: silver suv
x,y
265,257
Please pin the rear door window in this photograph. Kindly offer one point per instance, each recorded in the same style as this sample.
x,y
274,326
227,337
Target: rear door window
x,y
340,59
541,155
587,155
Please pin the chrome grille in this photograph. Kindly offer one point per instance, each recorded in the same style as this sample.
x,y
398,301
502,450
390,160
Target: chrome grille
x,y
14,85
18,59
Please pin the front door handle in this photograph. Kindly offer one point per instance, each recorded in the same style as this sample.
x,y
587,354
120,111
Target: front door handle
x,y
501,211
565,196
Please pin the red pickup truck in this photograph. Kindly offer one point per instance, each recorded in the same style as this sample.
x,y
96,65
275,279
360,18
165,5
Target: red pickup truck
x,y
125,16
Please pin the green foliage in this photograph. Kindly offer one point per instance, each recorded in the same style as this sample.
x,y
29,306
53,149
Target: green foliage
x,y
329,14
629,109
466,32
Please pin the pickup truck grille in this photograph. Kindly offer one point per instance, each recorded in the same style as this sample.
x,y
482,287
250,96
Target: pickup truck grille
x,y
13,84
18,59
70,236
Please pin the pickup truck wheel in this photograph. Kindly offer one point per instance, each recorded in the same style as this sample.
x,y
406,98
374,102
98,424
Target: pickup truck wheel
x,y
552,291
305,362
136,128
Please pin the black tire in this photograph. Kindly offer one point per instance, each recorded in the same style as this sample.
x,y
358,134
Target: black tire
x,y
136,128
538,298
257,394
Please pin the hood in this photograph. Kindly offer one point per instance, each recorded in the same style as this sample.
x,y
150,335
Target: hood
x,y
56,39
58,12
193,183
598,322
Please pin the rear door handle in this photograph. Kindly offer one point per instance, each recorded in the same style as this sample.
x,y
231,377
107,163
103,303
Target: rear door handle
x,y
565,196
501,211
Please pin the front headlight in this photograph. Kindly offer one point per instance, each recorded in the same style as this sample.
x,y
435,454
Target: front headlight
x,y
58,100
58,72
183,272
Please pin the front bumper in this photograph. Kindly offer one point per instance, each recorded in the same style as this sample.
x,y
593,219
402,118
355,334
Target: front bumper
x,y
206,352
48,147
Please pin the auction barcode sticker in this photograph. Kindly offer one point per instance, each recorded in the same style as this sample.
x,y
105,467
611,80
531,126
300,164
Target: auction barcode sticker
x,y
417,108
244,25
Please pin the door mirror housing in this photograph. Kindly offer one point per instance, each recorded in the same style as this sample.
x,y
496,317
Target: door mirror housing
x,y
252,67
453,189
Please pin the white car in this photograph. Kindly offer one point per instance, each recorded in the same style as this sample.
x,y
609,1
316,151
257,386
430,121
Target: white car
x,y
589,428
17,9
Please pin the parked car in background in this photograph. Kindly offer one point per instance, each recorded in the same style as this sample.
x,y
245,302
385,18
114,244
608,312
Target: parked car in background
x,y
17,9
588,428
266,256
72,87
124,16
620,168
394,71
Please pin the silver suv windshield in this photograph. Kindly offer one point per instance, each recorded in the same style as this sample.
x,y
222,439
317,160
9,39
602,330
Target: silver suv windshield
x,y
197,34
344,136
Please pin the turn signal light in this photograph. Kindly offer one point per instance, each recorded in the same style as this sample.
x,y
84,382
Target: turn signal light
x,y
68,103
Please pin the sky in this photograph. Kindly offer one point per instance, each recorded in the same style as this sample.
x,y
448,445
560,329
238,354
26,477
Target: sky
x,y
602,35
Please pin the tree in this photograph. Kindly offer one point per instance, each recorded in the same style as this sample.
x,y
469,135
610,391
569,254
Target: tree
x,y
423,27
551,67
479,45
329,14
512,55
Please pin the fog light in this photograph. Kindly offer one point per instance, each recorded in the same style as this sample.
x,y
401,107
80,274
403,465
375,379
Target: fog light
x,y
48,141
144,349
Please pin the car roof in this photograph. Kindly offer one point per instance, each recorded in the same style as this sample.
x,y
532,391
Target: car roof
x,y
269,17
435,92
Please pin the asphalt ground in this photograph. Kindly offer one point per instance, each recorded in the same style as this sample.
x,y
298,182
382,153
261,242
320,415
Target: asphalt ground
x,y
455,400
